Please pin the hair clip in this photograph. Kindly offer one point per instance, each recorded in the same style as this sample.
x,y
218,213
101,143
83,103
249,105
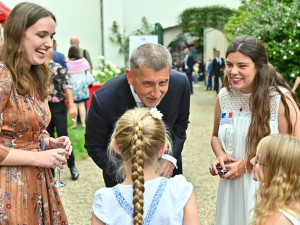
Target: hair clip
x,y
155,113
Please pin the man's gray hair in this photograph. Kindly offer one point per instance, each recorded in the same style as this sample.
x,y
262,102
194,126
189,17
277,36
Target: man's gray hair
x,y
153,56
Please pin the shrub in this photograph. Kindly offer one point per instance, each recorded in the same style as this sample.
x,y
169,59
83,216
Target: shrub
x,y
277,24
105,70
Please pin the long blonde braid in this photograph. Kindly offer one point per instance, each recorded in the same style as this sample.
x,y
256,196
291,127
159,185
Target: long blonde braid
x,y
138,174
139,137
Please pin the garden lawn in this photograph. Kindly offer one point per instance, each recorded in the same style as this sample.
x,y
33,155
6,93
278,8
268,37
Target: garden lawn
x,y
77,138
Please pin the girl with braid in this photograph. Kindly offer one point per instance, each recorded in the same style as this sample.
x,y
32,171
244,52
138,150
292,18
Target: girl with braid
x,y
140,138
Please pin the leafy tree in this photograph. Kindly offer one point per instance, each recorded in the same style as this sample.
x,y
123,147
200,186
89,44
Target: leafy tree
x,y
234,22
122,39
194,20
277,24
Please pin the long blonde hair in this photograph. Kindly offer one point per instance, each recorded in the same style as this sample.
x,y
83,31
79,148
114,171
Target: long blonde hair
x,y
280,187
139,137
19,20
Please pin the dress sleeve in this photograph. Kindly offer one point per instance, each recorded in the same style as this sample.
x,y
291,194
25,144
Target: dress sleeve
x,y
63,78
100,203
5,93
181,190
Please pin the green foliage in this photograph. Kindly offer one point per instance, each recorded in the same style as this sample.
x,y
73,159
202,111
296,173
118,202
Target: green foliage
x,y
234,22
146,28
119,38
277,24
122,39
105,70
194,20
77,138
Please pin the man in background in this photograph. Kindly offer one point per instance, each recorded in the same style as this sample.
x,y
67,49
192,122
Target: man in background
x,y
58,57
209,75
218,66
188,67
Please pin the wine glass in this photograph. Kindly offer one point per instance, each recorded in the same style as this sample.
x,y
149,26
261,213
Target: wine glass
x,y
58,182
229,141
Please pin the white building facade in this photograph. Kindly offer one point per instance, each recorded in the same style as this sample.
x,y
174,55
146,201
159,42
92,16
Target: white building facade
x,y
91,21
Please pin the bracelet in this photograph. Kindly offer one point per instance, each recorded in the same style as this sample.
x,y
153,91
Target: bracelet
x,y
245,164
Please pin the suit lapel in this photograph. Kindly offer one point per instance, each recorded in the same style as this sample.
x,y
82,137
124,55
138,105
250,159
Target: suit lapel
x,y
126,100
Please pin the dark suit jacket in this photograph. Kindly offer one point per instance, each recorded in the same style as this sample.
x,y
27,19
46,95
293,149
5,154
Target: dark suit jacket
x,y
216,67
190,64
115,97
59,57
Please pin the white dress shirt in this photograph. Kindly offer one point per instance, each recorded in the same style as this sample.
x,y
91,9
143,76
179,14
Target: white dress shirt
x,y
139,103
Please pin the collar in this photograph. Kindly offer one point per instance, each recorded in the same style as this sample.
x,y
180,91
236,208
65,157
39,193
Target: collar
x,y
135,96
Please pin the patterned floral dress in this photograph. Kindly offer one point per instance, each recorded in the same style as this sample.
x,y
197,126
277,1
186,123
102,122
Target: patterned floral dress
x,y
26,194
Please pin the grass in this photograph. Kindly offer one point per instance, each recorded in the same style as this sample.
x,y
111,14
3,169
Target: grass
x,y
77,138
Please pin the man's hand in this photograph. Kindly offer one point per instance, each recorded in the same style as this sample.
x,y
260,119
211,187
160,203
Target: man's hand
x,y
166,168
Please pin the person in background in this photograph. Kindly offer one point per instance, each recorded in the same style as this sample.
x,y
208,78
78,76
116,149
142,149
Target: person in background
x,y
61,89
74,41
77,67
209,74
276,167
217,71
255,102
187,67
297,82
58,57
202,72
82,52
149,82
140,139
196,74
26,151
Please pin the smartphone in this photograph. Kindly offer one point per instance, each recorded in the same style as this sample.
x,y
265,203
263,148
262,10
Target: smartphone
x,y
221,171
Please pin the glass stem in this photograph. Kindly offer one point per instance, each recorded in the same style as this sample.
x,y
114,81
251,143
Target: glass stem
x,y
58,170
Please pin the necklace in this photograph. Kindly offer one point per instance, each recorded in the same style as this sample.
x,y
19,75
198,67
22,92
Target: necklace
x,y
244,102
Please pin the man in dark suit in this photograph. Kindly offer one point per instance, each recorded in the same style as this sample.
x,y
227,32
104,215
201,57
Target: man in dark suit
x,y
151,83
218,66
58,57
188,66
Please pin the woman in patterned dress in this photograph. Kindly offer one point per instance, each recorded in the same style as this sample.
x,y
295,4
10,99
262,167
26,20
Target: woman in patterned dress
x,y
26,151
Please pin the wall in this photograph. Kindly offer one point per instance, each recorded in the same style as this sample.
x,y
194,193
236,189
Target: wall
x,y
170,33
74,18
214,40
82,19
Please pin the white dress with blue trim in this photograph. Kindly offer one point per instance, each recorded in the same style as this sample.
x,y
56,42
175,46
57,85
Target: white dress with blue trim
x,y
291,217
164,201
236,197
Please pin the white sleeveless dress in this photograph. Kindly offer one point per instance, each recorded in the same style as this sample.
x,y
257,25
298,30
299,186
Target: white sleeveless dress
x,y
290,217
236,197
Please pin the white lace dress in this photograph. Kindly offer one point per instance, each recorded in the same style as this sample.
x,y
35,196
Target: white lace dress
x,y
236,197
